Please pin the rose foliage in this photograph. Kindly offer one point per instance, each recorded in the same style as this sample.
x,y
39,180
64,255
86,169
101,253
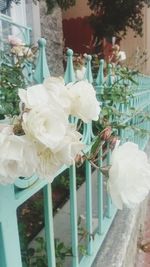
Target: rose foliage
x,y
128,175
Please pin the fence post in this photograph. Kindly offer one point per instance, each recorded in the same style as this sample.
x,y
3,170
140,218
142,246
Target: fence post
x,y
42,70
100,189
49,232
108,199
73,216
9,236
69,73
88,173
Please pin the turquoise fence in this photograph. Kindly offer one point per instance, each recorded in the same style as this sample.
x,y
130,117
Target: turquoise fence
x,y
8,27
13,196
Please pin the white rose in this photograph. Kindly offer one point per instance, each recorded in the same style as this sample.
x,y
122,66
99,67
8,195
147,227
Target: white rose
x,y
51,162
57,90
84,104
121,55
52,92
34,96
70,146
54,83
17,50
48,166
17,158
13,40
46,125
6,129
80,73
129,175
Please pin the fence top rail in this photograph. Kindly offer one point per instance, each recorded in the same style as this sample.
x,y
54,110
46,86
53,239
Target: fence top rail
x,y
103,76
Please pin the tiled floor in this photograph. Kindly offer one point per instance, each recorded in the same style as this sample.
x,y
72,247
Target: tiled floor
x,y
143,255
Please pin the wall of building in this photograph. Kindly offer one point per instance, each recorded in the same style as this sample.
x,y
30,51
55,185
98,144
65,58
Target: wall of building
x,y
48,26
138,48
33,20
51,30
75,18
76,28
81,9
18,15
147,40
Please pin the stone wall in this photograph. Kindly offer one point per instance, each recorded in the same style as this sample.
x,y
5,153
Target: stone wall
x,y
51,30
120,246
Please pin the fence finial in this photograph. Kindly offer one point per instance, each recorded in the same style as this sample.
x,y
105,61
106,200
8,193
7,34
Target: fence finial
x,y
100,77
88,73
69,73
109,80
42,70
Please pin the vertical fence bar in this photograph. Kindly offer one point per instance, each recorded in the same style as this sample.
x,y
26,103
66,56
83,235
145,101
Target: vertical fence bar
x,y
100,194
108,199
73,216
89,208
2,252
27,34
9,229
88,173
100,90
49,231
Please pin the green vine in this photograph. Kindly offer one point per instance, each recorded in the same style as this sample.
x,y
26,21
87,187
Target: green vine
x,y
63,4
113,18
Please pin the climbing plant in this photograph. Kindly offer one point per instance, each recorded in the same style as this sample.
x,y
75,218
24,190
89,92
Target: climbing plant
x,y
114,17
110,17
63,4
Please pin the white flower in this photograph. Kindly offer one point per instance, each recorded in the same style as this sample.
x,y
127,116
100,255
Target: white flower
x,y
46,125
54,83
6,129
34,96
51,92
80,73
17,50
70,146
50,162
129,175
84,104
77,99
13,40
47,164
121,55
57,90
17,157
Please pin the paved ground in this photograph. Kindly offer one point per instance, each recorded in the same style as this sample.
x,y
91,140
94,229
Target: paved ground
x,y
143,254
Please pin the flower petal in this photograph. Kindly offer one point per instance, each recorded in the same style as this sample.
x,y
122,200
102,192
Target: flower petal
x,y
129,175
84,104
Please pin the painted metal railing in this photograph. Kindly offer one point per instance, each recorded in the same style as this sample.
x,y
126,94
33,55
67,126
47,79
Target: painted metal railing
x,y
13,196
9,27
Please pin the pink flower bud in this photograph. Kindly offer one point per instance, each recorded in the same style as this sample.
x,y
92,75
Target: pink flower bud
x,y
106,133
